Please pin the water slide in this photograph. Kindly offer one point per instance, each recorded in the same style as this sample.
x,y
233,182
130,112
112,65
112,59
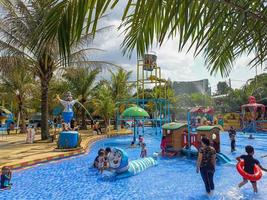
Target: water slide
x,y
223,158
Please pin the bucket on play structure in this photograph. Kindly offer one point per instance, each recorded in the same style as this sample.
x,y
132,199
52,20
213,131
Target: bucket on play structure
x,y
67,116
150,61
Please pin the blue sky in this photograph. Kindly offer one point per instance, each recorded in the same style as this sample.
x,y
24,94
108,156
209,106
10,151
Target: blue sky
x,y
178,66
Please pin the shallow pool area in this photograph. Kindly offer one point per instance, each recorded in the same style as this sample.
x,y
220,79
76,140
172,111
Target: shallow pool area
x,y
172,178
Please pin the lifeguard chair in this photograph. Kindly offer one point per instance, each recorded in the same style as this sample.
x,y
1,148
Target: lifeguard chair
x,y
174,135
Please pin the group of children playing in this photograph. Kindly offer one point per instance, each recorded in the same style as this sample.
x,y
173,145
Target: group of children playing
x,y
101,161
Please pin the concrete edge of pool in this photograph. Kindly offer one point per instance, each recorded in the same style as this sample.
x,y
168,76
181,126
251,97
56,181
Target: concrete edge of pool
x,y
64,155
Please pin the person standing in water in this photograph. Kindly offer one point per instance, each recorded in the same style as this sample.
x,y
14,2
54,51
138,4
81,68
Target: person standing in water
x,y
206,164
232,136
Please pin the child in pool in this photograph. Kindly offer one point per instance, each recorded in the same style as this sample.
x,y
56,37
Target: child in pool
x,y
140,139
101,161
143,150
163,145
5,178
249,166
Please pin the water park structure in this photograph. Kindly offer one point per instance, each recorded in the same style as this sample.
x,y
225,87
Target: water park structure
x,y
253,117
180,141
148,73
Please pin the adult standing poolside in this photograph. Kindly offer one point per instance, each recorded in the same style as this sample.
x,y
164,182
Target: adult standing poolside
x,y
206,164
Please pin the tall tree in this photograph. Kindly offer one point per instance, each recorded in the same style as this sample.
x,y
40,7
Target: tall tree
x,y
104,103
18,83
120,89
81,82
222,88
20,28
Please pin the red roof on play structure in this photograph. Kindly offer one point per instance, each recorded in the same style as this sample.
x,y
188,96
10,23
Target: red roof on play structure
x,y
209,110
202,110
252,104
197,110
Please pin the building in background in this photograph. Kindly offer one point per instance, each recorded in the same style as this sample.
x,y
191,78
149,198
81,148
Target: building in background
x,y
190,87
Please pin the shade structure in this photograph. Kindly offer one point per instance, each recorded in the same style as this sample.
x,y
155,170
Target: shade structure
x,y
135,112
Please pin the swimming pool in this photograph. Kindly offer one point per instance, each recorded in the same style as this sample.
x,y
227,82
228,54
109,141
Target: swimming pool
x,y
171,179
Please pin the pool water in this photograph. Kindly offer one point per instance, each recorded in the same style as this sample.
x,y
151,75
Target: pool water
x,y
174,178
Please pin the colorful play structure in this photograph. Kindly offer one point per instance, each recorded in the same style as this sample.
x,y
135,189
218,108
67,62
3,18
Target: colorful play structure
x,y
148,73
253,117
200,116
6,118
180,140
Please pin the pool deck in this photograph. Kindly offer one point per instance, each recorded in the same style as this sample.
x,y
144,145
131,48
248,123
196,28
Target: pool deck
x,y
16,154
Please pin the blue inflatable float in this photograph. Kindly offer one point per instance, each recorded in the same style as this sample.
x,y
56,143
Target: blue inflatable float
x,y
124,168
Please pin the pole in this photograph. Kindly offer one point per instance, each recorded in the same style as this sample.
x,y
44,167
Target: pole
x,y
188,136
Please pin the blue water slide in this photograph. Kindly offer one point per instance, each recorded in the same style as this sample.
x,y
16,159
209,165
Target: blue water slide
x,y
223,158
137,166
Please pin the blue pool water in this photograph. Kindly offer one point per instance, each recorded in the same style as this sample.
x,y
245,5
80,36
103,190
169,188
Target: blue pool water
x,y
171,179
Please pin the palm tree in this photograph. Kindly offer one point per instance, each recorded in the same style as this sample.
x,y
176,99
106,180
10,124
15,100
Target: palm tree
x,y
18,83
120,89
104,104
81,81
20,28
222,30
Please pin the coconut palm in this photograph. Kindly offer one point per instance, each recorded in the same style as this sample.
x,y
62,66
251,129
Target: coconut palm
x,y
104,104
20,28
18,84
120,89
81,81
222,30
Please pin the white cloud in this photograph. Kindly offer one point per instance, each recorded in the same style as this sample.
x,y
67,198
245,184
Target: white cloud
x,y
178,66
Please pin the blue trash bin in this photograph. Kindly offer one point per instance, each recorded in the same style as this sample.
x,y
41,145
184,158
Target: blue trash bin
x,y
68,139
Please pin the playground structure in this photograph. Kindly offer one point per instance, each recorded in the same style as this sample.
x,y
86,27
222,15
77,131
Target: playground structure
x,y
148,73
253,117
177,136
6,118
180,139
200,116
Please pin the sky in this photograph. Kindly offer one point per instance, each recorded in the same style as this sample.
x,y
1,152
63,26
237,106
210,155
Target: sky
x,y
176,66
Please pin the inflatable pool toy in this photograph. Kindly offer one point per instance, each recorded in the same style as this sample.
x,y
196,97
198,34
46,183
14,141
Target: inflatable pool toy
x,y
252,177
137,166
119,163
118,160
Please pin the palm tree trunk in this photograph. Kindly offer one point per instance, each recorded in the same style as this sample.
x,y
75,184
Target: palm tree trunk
x,y
44,110
115,121
23,124
84,127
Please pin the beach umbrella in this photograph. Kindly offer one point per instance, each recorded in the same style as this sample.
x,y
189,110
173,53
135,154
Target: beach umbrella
x,y
135,112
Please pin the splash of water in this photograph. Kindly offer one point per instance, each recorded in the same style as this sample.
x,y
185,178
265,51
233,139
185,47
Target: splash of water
x,y
86,111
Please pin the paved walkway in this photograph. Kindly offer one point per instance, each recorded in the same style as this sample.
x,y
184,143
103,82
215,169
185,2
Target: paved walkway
x,y
14,151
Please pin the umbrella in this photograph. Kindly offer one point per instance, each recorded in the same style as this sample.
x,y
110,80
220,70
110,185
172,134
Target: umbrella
x,y
135,112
